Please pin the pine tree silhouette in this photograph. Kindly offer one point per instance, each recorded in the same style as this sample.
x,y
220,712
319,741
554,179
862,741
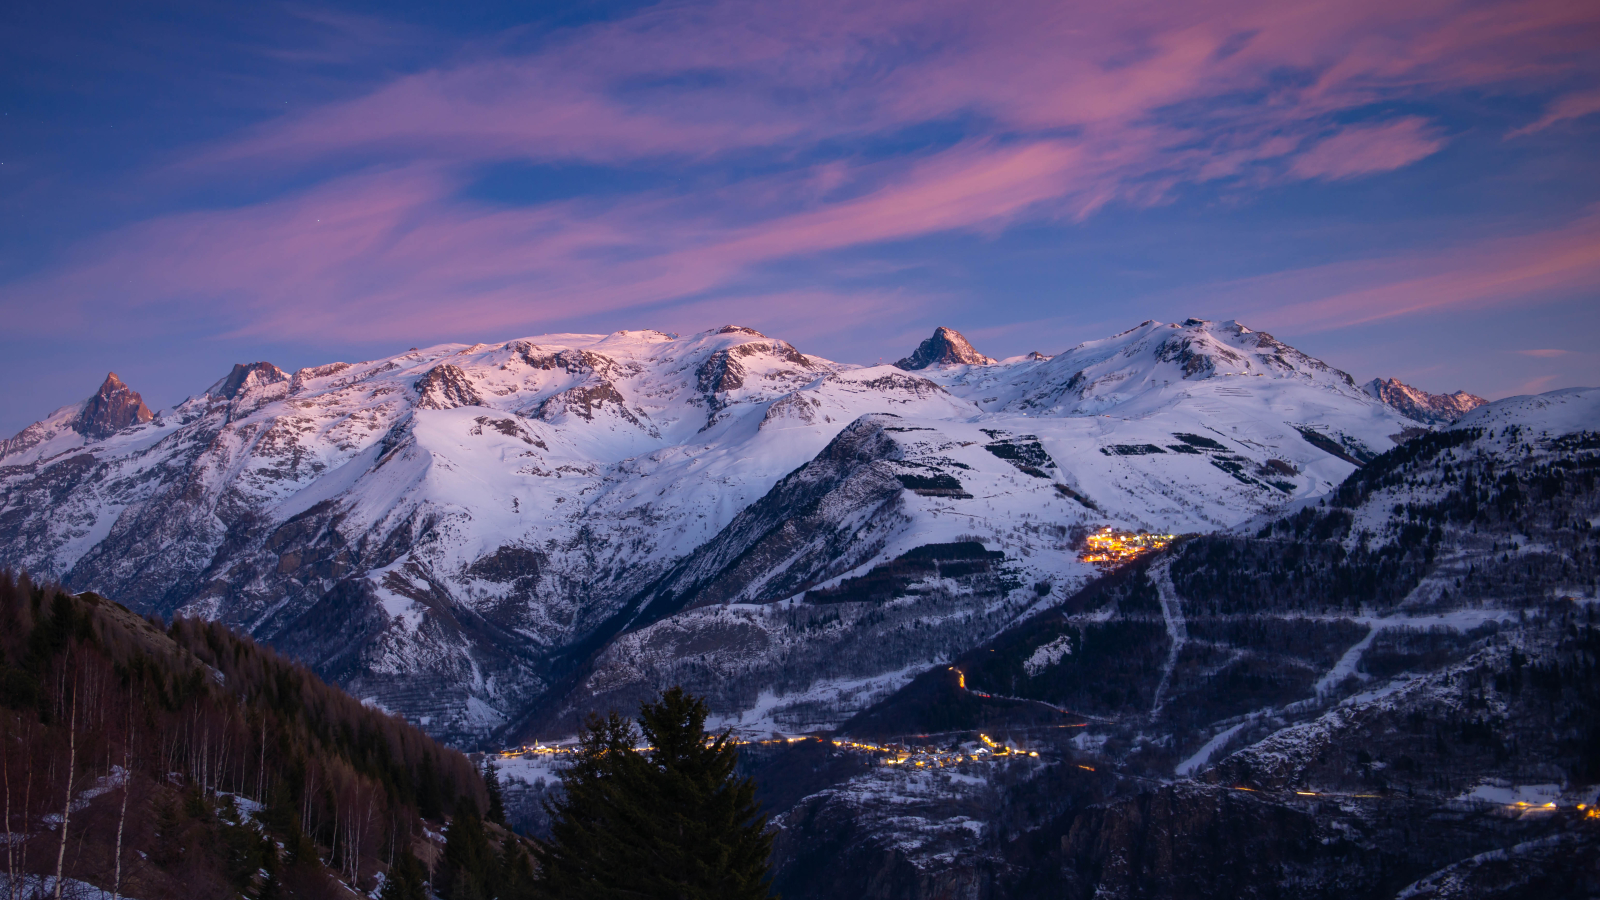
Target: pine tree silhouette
x,y
491,783
405,879
673,821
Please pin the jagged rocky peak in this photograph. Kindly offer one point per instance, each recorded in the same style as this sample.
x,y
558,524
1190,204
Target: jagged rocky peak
x,y
114,407
946,348
1421,405
245,376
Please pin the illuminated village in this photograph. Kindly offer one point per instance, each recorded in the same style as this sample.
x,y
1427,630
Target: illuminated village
x,y
1108,549
985,749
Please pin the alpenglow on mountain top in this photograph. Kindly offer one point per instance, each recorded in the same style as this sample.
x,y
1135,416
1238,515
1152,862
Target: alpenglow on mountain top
x,y
492,539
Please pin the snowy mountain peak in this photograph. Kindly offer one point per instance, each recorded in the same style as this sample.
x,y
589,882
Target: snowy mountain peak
x,y
114,407
1421,405
946,348
246,376
1149,366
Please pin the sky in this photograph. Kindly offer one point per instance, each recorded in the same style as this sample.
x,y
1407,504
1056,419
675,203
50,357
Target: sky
x,y
1405,190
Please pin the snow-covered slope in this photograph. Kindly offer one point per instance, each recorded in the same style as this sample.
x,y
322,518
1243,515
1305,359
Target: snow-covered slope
x,y
1554,413
1410,650
480,536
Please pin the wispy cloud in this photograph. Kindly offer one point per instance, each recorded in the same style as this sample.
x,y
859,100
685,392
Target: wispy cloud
x,y
1537,385
1032,111
1490,272
1363,150
1565,108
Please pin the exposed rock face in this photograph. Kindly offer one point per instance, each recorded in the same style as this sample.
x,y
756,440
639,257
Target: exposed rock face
x,y
1421,405
114,407
245,376
446,387
720,373
946,348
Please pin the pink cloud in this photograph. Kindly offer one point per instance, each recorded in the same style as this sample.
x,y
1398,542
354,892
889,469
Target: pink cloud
x,y
1365,149
1135,81
1492,272
394,253
1537,385
1570,106
1544,354
1065,108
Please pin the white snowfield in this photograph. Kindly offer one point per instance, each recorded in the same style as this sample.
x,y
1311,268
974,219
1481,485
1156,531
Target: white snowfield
x,y
1553,413
433,528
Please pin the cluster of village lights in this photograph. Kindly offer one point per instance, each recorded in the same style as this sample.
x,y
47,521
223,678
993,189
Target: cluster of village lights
x,y
1108,549
985,749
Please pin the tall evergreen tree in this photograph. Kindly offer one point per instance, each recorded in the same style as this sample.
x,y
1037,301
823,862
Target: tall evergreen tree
x,y
673,822
491,783
468,858
406,879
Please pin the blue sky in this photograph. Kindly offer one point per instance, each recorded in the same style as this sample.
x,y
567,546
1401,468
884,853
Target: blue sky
x,y
1403,191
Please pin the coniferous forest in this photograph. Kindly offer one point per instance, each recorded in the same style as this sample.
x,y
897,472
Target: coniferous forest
x,y
189,762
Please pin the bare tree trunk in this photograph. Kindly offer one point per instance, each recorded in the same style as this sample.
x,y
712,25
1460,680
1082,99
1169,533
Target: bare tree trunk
x,y
27,808
11,861
72,764
261,767
122,816
305,800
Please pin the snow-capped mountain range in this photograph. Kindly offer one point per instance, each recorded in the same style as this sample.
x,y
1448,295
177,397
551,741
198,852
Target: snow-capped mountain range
x,y
493,538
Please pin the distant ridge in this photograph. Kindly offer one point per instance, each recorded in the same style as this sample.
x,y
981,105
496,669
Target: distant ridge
x,y
1420,405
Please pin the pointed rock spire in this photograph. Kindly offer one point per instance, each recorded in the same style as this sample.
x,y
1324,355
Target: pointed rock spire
x,y
114,407
947,347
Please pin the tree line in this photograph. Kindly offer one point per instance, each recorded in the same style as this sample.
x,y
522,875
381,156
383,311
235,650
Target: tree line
x,y
171,761
182,760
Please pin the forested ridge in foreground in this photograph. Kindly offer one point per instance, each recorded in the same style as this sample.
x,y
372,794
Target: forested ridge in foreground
x,y
188,761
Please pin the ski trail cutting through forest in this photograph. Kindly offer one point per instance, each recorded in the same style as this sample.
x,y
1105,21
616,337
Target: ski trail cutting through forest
x,y
1346,666
1203,756
1177,626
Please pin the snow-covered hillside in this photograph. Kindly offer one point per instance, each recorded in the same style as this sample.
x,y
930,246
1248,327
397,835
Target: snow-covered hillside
x,y
485,537
1418,648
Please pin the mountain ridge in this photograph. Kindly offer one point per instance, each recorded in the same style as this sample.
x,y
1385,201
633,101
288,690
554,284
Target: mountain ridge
x,y
1421,405
445,530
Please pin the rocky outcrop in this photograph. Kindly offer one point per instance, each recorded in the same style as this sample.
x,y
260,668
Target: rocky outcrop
x,y
946,348
446,387
719,373
114,407
584,401
245,376
569,360
1435,409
